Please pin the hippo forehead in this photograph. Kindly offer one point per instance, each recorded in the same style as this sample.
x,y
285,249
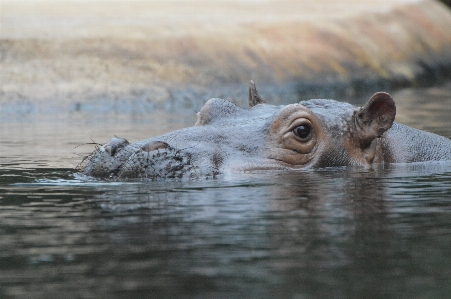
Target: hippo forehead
x,y
331,113
328,109
222,112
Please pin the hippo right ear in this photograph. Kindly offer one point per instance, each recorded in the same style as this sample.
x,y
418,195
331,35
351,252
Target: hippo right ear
x,y
254,97
374,118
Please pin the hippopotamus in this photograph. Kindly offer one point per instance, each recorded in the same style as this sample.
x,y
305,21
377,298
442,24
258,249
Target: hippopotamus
x,y
307,135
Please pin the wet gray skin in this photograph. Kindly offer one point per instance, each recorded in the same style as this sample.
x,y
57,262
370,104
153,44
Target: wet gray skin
x,y
310,134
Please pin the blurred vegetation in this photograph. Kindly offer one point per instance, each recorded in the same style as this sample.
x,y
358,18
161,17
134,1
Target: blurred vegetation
x,y
447,2
290,49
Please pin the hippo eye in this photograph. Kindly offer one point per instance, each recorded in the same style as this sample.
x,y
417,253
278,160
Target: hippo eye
x,y
302,131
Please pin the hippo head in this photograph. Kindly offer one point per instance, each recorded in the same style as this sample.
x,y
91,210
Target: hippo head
x,y
225,138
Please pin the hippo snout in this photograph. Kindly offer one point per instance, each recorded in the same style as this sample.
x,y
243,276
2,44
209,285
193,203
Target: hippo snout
x,y
155,160
152,160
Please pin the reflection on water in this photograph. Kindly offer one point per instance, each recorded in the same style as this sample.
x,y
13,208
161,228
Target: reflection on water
x,y
331,233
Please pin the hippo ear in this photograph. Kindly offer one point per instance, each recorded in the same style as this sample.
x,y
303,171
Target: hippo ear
x,y
374,118
254,97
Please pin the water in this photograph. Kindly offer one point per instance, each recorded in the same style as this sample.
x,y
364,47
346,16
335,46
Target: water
x,y
331,233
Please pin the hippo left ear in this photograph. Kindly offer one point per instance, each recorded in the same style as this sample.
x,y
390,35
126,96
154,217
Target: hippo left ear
x,y
254,97
374,118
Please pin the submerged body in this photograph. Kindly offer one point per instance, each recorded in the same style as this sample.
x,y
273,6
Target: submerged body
x,y
310,134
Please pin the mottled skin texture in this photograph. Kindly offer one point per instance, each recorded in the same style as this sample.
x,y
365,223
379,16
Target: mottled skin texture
x,y
310,134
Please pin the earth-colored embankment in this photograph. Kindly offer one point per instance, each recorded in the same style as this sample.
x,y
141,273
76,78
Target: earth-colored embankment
x,y
134,56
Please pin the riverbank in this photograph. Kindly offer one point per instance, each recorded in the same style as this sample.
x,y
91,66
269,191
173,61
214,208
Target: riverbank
x,y
135,56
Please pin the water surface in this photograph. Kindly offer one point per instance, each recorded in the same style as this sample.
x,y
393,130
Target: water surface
x,y
330,233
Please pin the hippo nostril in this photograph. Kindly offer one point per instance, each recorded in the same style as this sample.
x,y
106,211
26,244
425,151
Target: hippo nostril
x,y
118,142
109,149
114,145
154,145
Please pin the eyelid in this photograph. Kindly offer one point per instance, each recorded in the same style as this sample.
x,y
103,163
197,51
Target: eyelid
x,y
299,122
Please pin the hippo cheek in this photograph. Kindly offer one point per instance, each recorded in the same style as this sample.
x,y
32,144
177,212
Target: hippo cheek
x,y
295,137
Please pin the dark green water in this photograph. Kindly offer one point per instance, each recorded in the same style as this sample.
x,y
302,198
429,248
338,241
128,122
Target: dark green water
x,y
331,233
